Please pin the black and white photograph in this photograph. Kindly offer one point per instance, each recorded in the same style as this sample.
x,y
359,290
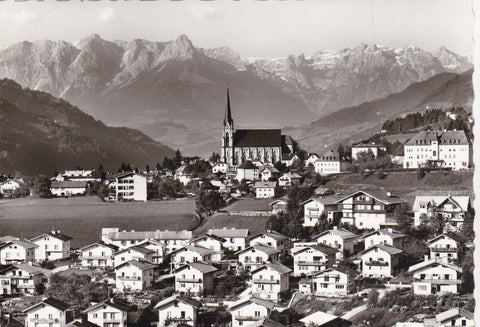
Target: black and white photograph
x,y
238,163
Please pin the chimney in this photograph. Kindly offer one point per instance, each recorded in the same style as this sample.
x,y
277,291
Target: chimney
x,y
389,194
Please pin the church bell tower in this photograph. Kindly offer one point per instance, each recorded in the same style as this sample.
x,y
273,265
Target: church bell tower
x,y
228,133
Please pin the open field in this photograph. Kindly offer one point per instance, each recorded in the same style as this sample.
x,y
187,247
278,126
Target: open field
x,y
84,217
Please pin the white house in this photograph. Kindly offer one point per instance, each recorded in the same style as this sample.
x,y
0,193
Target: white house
x,y
212,242
134,275
220,167
435,277
329,163
265,189
177,309
190,253
194,278
271,238
9,186
380,261
365,148
455,317
278,205
52,246
453,209
445,247
135,252
16,251
255,256
370,209
289,179
386,236
331,282
24,278
313,209
158,249
98,255
449,149
68,188
107,313
270,280
269,173
340,239
249,310
313,258
247,171
311,159
48,313
236,238
182,176
131,186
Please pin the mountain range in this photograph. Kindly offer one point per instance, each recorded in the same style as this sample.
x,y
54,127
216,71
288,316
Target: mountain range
x,y
175,92
41,134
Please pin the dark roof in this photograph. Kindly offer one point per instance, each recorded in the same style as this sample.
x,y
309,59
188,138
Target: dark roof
x,y
247,165
319,247
257,138
445,137
56,303
68,184
178,297
58,235
81,323
451,235
329,156
109,302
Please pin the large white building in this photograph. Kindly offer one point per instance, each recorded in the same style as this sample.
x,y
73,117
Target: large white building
x,y
448,149
131,186
329,163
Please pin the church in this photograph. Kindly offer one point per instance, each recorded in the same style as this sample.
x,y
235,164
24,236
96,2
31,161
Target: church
x,y
264,145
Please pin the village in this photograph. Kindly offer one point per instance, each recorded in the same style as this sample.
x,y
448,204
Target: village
x,y
327,253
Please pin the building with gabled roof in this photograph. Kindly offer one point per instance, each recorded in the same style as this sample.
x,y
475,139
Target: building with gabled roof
x,y
270,280
380,261
135,252
49,312
268,173
313,258
51,246
248,207
265,322
158,248
177,308
331,282
265,190
323,319
256,255
435,277
98,255
212,242
236,238
387,236
449,149
370,209
289,180
271,238
338,238
107,312
313,209
249,310
445,247
190,253
329,163
68,188
455,317
194,278
374,148
23,278
16,251
134,275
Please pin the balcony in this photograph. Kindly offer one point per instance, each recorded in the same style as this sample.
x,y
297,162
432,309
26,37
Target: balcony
x,y
311,263
376,263
248,318
95,257
443,249
266,281
112,320
45,320
189,280
129,279
439,281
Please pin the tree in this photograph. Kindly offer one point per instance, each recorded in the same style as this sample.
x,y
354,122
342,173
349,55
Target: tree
x,y
41,187
215,157
147,168
209,201
178,159
372,298
158,167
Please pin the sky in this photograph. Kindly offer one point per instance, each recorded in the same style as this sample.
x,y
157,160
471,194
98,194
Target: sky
x,y
252,28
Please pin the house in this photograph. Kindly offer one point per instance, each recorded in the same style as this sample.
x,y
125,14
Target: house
x,y
52,246
158,249
247,171
255,256
386,236
49,312
313,258
131,186
9,186
453,209
182,175
289,180
172,239
329,163
332,282
455,317
220,167
98,255
435,277
212,242
134,275
374,148
279,205
265,189
24,278
135,252
190,253
323,319
380,261
16,251
68,188
370,209
107,313
194,278
445,247
448,149
177,309
311,159
270,281
271,238
236,238
248,207
249,310
268,173
340,239
313,209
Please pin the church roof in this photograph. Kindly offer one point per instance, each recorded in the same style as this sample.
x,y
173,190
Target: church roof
x,y
257,138
228,111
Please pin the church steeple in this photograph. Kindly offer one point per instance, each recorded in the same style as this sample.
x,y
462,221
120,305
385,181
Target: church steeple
x,y
228,112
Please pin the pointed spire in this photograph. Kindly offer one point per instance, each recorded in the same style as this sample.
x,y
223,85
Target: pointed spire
x,y
228,111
